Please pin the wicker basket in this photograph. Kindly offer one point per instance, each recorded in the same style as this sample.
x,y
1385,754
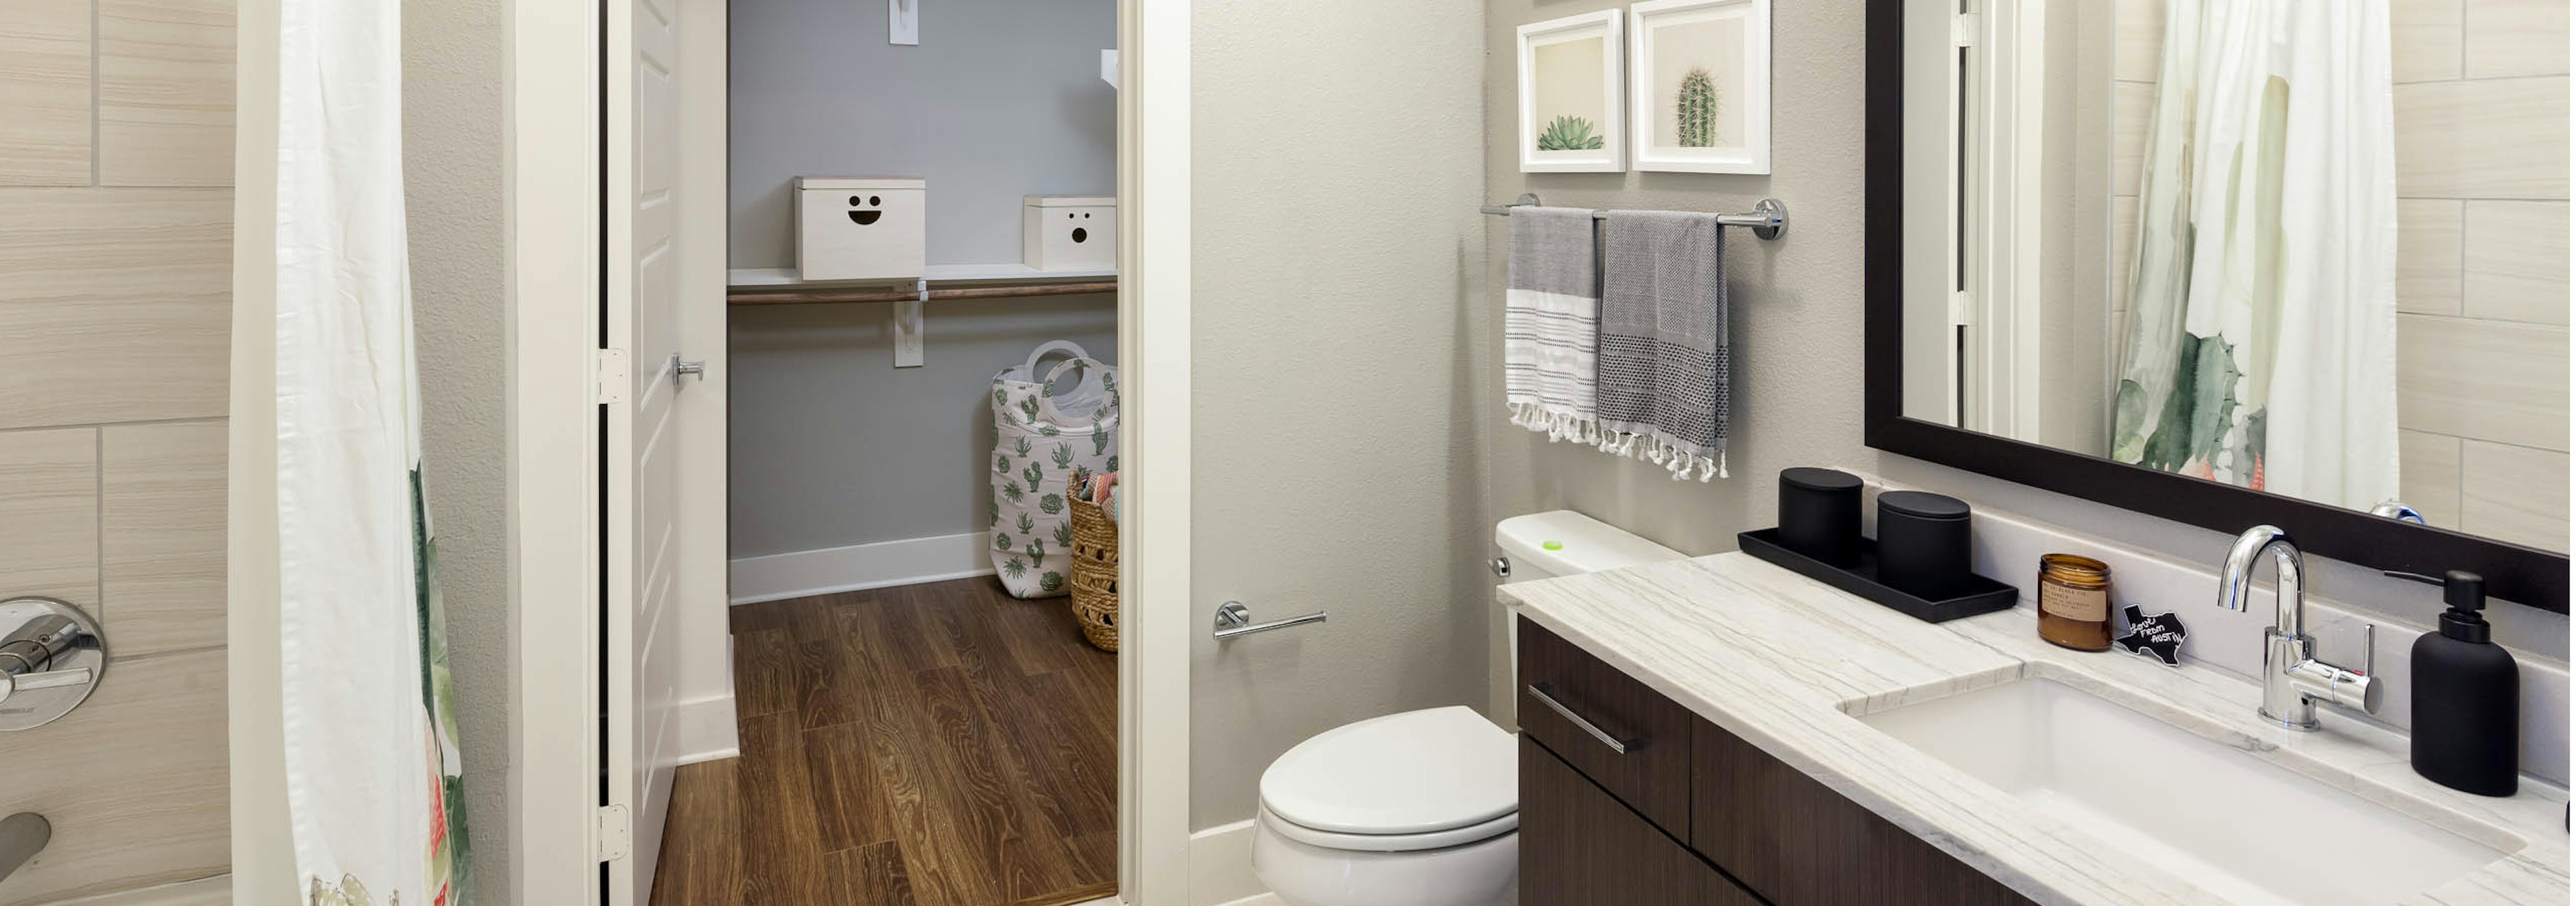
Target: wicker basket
x,y
1095,572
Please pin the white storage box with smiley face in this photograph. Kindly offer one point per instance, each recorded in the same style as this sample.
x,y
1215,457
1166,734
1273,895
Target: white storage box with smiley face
x,y
859,227
1069,232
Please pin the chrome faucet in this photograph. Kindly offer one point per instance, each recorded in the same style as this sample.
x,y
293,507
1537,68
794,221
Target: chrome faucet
x,y
2293,679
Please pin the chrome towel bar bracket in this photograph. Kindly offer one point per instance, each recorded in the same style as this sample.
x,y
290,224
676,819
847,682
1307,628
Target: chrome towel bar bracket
x,y
1769,219
1234,619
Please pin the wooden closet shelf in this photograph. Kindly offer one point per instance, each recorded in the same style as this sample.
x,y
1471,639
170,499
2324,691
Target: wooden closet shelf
x,y
816,294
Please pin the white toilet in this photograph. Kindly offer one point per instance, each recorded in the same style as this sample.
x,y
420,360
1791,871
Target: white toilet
x,y
1420,808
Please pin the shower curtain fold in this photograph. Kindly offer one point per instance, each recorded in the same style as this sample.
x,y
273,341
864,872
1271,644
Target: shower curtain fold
x,y
374,788
2262,341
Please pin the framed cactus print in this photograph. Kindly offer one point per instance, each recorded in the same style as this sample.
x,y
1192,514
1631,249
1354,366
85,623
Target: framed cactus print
x,y
1699,73
1571,107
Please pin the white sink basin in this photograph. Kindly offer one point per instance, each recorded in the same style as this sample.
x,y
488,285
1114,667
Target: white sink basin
x,y
2168,800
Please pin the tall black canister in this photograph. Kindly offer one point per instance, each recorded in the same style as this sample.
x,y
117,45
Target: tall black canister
x,y
1820,514
1922,544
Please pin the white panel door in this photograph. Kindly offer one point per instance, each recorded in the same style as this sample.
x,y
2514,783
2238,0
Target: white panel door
x,y
643,465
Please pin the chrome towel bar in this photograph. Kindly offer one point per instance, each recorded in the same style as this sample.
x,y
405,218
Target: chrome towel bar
x,y
1234,619
1769,219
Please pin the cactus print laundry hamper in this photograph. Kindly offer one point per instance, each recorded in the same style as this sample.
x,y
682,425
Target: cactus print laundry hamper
x,y
1045,426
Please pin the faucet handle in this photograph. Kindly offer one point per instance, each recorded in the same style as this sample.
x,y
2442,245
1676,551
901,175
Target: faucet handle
x,y
2369,649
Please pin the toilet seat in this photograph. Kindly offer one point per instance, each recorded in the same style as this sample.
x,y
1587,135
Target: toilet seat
x,y
1390,843
1407,782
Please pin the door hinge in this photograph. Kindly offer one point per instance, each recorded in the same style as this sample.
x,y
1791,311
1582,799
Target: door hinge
x,y
1963,309
609,367
613,837
1964,28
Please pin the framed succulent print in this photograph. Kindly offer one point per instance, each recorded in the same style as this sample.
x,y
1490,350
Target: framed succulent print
x,y
1571,105
1700,77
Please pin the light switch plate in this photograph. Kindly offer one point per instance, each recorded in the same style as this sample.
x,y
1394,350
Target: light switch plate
x,y
903,22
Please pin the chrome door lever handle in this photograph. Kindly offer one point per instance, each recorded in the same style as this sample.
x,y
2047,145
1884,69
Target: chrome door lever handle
x,y
681,369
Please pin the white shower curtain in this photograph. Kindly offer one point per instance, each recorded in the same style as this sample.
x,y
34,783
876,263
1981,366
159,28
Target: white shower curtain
x,y
2262,341
373,773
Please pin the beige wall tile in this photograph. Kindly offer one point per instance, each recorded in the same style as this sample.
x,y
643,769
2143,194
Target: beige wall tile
x,y
2424,39
2483,380
165,93
117,305
49,515
44,93
162,535
2428,476
2140,42
2489,138
2132,110
2124,250
2516,38
133,781
2515,494
2428,255
2516,265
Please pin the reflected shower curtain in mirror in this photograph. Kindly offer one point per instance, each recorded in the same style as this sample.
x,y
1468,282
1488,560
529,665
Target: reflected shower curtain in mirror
x,y
373,776
2262,332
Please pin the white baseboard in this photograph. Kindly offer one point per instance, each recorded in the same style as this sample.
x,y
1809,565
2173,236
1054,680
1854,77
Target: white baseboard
x,y
1221,867
707,729
859,567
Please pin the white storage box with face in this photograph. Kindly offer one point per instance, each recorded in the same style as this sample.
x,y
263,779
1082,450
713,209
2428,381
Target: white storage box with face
x,y
859,227
1069,232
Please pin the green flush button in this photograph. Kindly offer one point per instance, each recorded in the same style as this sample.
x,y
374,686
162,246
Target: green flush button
x,y
1553,545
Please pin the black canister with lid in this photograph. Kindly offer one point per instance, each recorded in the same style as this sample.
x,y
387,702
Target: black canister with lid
x,y
1820,514
1922,543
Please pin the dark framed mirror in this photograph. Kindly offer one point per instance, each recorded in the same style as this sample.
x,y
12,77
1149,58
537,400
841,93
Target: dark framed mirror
x,y
2082,279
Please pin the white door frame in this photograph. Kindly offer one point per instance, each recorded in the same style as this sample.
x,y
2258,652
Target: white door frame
x,y
1154,354
554,207
551,187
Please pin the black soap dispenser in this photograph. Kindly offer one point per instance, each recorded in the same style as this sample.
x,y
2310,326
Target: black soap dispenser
x,y
2467,695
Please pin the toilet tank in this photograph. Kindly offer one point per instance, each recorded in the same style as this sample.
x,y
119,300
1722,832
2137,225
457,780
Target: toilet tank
x,y
1564,542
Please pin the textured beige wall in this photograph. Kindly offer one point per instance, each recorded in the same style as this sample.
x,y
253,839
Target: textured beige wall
x,y
116,128
452,113
1337,261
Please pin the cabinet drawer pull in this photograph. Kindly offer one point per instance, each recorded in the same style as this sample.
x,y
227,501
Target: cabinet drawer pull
x,y
1617,746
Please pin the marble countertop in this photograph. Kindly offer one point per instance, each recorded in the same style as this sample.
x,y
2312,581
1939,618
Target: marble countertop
x,y
1786,663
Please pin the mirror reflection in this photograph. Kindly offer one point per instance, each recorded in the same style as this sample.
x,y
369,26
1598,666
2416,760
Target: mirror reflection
x,y
2280,245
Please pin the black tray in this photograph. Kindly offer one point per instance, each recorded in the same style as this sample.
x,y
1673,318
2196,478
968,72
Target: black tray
x,y
1984,595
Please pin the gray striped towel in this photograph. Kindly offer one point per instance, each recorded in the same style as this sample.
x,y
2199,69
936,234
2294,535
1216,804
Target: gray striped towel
x,y
1663,379
1551,323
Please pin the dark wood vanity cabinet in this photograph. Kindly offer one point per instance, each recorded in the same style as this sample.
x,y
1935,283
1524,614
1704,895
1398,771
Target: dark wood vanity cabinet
x,y
1728,825
1580,845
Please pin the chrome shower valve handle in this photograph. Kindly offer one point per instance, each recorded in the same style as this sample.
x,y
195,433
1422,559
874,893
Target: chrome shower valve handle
x,y
51,658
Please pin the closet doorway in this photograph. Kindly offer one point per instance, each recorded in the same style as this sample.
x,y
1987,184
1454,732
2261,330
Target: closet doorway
x,y
630,662
921,340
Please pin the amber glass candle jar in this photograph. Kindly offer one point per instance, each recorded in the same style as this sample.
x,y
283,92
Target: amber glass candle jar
x,y
2075,602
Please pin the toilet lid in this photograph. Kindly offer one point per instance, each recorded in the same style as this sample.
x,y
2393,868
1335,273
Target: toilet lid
x,y
1417,772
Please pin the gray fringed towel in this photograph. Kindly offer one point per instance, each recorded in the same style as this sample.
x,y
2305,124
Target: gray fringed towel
x,y
1551,323
1663,371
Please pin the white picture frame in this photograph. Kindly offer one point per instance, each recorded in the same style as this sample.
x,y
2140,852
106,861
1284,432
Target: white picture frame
x,y
1728,41
1571,74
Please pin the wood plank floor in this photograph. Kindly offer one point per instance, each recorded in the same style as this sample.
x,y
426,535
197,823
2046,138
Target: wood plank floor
x,y
931,745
